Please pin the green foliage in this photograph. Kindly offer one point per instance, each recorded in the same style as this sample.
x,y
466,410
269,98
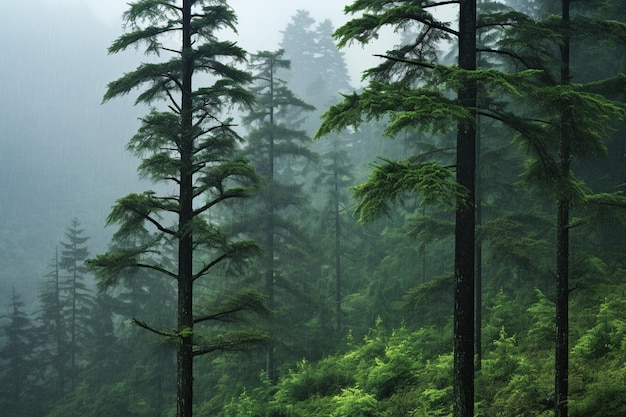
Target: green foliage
x,y
431,302
391,180
326,378
511,240
608,335
353,402
542,313
404,107
243,406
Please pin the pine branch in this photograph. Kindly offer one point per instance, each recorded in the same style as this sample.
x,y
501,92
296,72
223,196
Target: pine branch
x,y
143,324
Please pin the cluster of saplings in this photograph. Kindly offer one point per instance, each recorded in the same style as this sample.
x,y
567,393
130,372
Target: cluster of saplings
x,y
476,268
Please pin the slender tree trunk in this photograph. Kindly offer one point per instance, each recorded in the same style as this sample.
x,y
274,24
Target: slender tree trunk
x,y
184,357
269,283
59,328
463,384
562,241
337,248
73,329
478,279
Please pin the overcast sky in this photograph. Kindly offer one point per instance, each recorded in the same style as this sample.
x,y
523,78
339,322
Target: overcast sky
x,y
260,23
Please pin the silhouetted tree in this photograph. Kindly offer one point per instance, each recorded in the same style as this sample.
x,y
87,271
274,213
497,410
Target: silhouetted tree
x,y
17,376
77,298
52,334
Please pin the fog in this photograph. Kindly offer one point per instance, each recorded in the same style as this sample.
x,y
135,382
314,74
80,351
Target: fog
x,y
260,23
61,151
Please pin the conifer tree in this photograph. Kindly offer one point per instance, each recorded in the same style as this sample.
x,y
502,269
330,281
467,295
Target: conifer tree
x,y
575,118
394,90
278,150
77,296
52,333
335,178
17,371
189,143
318,69
298,44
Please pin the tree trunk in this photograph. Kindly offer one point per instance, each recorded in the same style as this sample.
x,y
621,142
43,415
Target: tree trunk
x,y
562,241
269,283
59,329
184,357
336,209
463,385
478,279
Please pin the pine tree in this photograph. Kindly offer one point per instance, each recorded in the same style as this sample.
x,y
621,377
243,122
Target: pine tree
x,y
77,301
335,177
318,69
576,117
17,354
278,150
191,145
298,42
393,91
52,334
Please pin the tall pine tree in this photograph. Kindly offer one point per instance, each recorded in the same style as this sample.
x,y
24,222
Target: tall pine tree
x,y
279,150
189,144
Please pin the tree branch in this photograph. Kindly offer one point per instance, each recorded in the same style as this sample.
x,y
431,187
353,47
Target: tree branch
x,y
407,61
145,325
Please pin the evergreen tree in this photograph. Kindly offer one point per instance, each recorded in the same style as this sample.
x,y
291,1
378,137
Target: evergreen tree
x,y
298,42
77,301
17,362
52,335
392,91
191,145
278,150
318,69
335,177
577,118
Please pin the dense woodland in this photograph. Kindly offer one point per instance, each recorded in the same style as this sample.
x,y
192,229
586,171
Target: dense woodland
x,y
447,240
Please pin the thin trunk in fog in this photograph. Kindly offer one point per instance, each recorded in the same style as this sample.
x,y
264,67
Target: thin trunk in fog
x,y
58,326
273,139
270,278
336,213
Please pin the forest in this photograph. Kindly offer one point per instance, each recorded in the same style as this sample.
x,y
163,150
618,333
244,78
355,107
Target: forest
x,y
445,239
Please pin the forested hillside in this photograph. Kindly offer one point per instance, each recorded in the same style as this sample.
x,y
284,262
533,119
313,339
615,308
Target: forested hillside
x,y
447,239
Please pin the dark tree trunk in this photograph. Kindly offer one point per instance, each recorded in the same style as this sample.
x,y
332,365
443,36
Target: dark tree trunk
x,y
478,279
463,385
562,241
184,357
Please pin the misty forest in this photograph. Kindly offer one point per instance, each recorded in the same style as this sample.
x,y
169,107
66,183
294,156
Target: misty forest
x,y
213,231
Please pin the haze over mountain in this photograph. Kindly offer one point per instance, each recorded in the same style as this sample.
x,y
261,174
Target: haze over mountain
x,y
61,152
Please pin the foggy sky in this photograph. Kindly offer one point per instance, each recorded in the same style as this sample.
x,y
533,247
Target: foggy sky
x,y
260,24
62,153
